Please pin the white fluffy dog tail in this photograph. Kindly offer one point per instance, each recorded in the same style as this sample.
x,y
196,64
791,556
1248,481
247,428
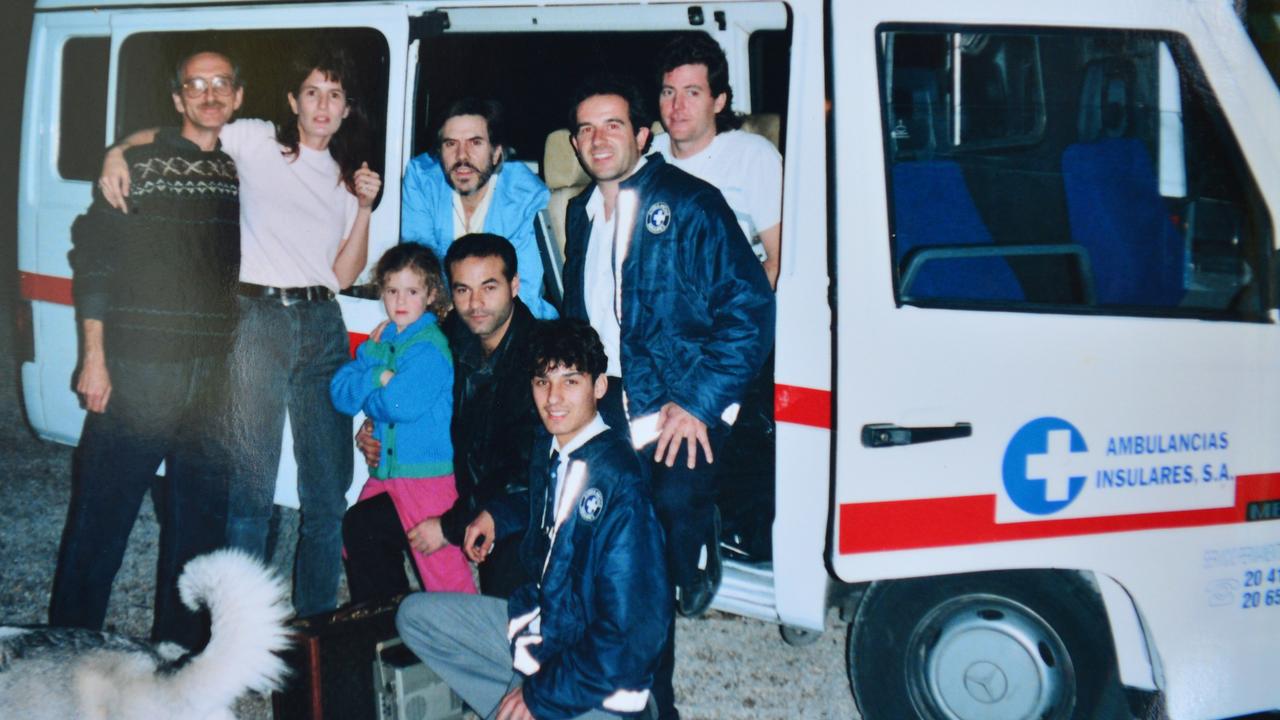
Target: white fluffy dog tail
x,y
248,608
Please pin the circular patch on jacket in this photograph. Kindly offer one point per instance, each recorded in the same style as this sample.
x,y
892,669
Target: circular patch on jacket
x,y
657,218
591,504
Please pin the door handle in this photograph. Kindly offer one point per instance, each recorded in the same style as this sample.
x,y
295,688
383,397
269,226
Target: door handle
x,y
877,435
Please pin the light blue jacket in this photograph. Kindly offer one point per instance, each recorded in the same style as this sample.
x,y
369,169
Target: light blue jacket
x,y
426,217
411,414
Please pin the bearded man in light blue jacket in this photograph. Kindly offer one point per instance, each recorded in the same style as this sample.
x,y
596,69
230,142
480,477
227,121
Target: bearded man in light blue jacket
x,y
466,187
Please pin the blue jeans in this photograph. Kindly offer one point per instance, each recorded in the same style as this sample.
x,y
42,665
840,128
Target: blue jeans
x,y
284,358
171,411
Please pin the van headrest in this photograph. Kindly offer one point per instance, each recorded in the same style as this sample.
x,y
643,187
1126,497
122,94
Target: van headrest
x,y
767,125
1106,100
560,168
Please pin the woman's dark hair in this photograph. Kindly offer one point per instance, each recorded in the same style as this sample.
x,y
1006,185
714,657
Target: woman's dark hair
x,y
700,49
568,343
350,145
424,262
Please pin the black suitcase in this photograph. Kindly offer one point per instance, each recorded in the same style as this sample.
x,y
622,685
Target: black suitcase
x,y
331,663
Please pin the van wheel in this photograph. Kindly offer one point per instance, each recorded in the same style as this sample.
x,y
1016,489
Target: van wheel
x,y
991,646
798,637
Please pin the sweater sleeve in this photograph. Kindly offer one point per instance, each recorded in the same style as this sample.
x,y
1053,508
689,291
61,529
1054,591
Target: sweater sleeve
x,y
424,377
94,250
356,380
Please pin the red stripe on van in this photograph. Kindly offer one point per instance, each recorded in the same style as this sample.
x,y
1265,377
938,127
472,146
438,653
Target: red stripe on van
x,y
50,288
802,406
45,288
971,520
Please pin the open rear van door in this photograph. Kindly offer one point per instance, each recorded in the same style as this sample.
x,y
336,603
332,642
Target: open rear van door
x,y
546,52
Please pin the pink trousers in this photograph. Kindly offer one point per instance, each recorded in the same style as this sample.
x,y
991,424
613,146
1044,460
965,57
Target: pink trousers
x,y
416,499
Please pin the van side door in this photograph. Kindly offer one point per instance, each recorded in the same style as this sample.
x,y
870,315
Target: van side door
x,y
1056,340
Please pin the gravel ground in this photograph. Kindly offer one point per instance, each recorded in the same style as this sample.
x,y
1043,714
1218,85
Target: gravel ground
x,y
726,666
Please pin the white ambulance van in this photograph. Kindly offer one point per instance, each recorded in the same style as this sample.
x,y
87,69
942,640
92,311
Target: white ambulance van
x,y
1027,371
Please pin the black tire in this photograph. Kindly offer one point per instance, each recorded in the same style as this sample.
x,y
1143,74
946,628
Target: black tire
x,y
1013,645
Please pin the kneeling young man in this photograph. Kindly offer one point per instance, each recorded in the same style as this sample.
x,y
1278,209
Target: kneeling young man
x,y
584,640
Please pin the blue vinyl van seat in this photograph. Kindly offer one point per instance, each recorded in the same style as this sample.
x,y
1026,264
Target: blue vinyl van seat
x,y
932,207
1136,255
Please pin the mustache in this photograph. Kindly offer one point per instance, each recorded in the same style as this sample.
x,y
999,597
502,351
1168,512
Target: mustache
x,y
462,164
212,104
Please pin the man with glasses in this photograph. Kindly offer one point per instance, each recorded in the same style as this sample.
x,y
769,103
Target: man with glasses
x,y
154,293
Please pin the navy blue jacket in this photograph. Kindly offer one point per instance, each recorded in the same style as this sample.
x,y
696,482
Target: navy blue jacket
x,y
697,310
604,601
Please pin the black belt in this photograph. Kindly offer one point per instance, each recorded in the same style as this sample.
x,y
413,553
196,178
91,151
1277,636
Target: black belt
x,y
286,295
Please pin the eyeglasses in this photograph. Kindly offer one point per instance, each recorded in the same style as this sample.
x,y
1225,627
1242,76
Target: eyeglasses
x,y
196,86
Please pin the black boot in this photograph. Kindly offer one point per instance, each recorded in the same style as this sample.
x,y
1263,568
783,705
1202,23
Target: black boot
x,y
694,598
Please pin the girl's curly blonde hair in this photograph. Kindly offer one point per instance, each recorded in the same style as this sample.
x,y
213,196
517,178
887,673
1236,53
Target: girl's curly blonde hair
x,y
421,259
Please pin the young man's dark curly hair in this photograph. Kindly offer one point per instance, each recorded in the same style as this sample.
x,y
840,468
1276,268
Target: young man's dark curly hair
x,y
566,343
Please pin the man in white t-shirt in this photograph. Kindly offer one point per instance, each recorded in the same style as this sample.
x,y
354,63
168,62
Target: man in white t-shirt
x,y
702,139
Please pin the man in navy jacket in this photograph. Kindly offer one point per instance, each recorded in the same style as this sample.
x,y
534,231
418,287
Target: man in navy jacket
x,y
584,640
657,263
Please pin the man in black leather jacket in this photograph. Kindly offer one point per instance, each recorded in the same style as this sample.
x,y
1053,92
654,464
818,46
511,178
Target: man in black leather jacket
x,y
493,413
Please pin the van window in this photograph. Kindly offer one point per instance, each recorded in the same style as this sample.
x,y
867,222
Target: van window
x,y
770,53
1072,171
1263,22
82,107
148,61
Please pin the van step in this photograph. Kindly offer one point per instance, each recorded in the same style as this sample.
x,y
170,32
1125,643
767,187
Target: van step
x,y
747,589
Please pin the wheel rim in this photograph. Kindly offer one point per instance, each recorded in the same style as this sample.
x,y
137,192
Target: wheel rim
x,y
986,657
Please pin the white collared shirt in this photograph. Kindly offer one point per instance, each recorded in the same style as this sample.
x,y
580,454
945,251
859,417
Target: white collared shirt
x,y
592,429
462,226
602,286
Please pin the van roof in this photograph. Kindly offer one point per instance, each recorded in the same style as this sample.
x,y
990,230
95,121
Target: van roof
x,y
63,4
121,4
109,4
67,4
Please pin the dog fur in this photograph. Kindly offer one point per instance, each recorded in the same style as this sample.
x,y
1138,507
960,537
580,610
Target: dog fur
x,y
68,673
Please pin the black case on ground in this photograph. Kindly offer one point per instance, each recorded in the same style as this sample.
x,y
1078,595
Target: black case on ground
x,y
331,663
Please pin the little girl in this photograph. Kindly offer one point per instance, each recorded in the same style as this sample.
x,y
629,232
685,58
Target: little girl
x,y
404,383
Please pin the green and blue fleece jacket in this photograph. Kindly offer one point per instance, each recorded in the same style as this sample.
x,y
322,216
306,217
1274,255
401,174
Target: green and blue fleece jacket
x,y
411,414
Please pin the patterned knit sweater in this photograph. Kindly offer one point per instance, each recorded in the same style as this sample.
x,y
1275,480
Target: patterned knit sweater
x,y
162,278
